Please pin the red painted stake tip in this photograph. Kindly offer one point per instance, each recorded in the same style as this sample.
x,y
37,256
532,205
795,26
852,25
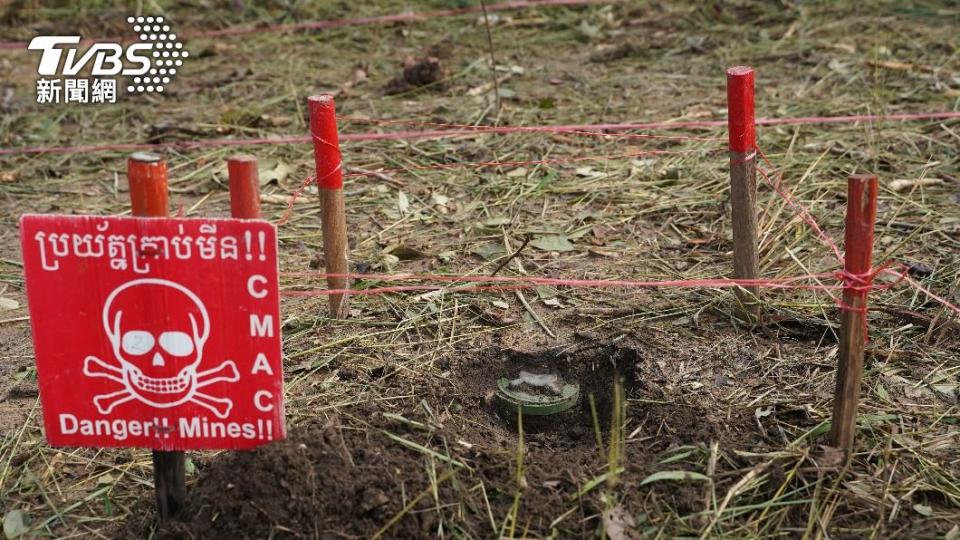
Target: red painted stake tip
x,y
244,186
740,112
858,235
147,176
326,144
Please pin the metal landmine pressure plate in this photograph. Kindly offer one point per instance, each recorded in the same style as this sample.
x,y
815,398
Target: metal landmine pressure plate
x,y
549,395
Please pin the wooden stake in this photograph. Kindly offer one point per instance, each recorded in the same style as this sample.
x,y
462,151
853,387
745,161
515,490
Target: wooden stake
x,y
169,480
244,177
858,259
333,218
147,176
743,185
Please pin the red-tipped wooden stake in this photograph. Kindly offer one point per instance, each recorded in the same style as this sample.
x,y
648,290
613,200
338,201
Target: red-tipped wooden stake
x,y
147,176
244,186
326,153
858,259
743,185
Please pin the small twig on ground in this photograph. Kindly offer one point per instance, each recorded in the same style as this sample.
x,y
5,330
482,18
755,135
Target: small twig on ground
x,y
533,314
506,261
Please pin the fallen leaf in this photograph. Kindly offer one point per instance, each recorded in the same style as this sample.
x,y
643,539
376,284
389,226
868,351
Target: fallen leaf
x,y
403,203
588,31
497,222
828,457
544,292
839,67
8,304
439,200
14,524
106,479
404,252
923,510
447,256
488,251
553,243
676,476
276,174
387,262
761,412
618,523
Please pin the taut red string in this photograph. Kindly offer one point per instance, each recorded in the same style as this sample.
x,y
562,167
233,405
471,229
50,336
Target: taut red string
x,y
496,130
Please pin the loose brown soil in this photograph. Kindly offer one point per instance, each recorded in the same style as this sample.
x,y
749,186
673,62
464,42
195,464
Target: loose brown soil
x,y
347,475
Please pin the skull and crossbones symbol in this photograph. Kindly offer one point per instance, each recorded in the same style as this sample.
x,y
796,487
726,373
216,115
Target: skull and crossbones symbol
x,y
159,356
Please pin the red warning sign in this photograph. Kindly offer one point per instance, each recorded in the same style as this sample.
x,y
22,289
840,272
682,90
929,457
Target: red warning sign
x,y
159,333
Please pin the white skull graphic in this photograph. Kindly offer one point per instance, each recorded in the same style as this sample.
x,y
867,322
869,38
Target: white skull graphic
x,y
157,329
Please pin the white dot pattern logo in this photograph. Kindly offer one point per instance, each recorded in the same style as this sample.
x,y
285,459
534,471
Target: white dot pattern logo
x,y
167,52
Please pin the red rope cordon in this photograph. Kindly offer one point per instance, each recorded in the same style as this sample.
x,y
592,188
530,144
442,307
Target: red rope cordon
x,y
356,21
510,283
902,275
518,163
293,199
476,165
478,130
714,282
535,129
801,210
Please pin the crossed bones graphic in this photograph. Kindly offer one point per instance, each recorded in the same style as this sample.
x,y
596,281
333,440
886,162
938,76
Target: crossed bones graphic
x,y
158,359
134,382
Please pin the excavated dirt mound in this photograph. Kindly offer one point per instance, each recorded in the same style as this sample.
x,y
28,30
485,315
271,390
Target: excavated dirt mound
x,y
350,475
326,480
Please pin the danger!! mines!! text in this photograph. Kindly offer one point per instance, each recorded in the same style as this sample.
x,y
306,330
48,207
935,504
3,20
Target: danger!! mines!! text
x,y
188,428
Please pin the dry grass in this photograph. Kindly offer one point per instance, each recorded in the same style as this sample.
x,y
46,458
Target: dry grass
x,y
659,217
